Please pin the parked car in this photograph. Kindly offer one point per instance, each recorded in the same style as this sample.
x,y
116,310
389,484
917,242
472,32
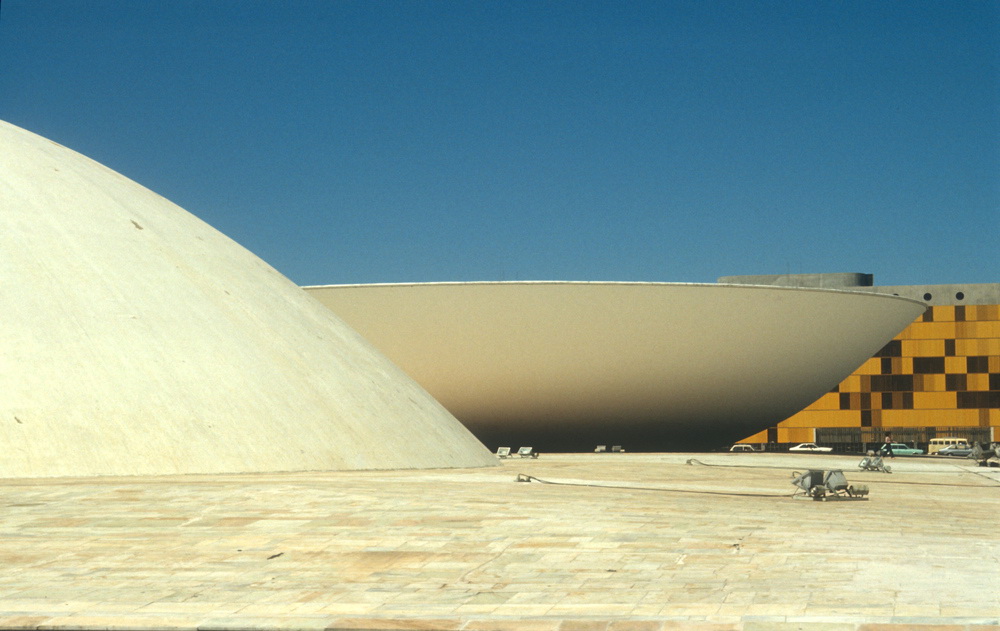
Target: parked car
x,y
955,450
938,443
742,448
811,447
900,449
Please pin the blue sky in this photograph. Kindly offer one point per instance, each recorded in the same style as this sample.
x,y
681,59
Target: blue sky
x,y
355,142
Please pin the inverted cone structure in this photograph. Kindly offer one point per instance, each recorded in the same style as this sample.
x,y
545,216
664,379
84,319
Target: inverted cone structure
x,y
566,366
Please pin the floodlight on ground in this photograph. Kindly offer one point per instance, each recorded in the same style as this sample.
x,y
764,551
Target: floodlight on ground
x,y
823,485
873,462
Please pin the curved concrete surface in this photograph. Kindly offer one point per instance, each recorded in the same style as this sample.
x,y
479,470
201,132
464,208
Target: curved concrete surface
x,y
136,339
650,366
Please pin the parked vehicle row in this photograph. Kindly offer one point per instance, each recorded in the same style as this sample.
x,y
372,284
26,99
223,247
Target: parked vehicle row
x,y
956,447
949,446
961,451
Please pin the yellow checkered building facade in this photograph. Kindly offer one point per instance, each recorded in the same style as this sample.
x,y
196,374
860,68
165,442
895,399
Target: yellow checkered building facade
x,y
939,377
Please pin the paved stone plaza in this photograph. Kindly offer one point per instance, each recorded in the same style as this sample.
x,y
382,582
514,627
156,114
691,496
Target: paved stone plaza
x,y
640,541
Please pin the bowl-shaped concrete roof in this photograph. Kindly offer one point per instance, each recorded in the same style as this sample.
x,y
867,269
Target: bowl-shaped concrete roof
x,y
650,366
136,339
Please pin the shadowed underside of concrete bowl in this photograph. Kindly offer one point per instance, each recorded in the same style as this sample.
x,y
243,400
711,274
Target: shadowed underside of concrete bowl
x,y
564,366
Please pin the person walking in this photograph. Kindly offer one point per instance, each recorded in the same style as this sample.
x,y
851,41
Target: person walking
x,y
887,447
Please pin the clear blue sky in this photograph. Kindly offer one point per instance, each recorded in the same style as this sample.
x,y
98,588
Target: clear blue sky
x,y
354,142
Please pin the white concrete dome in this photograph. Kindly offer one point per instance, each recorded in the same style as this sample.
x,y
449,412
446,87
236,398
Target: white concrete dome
x,y
650,366
136,339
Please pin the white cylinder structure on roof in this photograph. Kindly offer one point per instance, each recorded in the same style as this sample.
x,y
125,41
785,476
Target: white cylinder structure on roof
x,y
650,366
136,339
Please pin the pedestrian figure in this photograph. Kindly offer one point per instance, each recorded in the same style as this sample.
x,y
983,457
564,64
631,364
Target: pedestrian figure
x,y
887,448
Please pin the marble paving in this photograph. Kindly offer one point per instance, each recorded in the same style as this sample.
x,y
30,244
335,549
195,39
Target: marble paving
x,y
622,542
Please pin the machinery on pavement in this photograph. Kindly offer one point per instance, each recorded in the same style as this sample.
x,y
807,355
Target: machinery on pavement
x,y
986,457
873,462
821,486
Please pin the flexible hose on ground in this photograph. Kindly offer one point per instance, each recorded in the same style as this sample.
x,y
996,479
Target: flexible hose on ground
x,y
521,477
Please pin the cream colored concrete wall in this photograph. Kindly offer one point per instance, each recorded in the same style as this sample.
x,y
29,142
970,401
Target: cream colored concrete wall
x,y
136,339
710,362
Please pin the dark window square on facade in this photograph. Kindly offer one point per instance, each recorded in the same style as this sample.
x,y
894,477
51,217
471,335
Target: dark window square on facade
x,y
845,400
892,383
866,418
973,400
928,365
977,364
892,349
956,383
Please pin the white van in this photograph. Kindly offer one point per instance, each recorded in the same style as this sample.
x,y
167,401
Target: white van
x,y
937,444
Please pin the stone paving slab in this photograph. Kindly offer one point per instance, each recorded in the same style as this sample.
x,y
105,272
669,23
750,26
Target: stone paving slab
x,y
620,542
